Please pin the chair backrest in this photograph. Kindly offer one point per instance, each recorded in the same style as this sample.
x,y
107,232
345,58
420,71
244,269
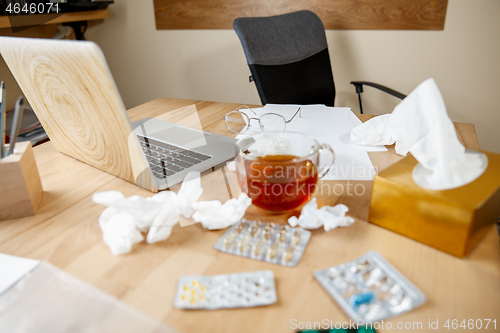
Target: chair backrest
x,y
288,58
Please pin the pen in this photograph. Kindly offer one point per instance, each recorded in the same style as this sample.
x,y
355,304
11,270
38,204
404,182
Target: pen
x,y
2,120
16,124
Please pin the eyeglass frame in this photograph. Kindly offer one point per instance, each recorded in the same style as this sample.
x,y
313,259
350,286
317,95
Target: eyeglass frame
x,y
299,112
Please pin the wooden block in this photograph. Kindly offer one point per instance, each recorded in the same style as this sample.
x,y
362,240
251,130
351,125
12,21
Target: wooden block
x,y
20,186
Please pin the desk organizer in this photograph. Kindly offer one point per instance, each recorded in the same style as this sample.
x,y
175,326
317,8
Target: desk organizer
x,y
20,185
453,221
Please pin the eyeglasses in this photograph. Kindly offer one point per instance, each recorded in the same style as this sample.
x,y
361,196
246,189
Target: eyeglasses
x,y
238,121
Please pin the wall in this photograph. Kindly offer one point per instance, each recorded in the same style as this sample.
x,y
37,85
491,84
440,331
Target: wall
x,y
210,64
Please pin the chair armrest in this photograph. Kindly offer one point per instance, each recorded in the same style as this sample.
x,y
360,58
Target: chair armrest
x,y
359,88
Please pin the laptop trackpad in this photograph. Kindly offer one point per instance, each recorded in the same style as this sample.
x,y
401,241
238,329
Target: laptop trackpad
x,y
182,136
170,133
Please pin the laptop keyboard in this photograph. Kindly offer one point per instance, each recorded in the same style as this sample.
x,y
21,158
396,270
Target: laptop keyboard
x,y
166,159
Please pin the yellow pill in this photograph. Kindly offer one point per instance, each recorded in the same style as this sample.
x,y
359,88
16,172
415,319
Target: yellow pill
x,y
195,283
201,297
185,287
202,287
183,297
193,292
193,301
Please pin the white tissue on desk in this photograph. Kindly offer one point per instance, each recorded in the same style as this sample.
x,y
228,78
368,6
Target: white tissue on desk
x,y
189,192
119,230
327,216
214,215
125,218
420,124
142,210
162,225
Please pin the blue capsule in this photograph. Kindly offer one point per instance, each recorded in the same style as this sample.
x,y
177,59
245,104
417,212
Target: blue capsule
x,y
361,298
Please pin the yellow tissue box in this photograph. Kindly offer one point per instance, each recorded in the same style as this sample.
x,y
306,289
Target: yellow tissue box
x,y
453,221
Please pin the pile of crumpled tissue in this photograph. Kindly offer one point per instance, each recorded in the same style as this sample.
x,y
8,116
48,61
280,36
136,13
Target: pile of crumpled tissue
x,y
125,219
327,216
213,215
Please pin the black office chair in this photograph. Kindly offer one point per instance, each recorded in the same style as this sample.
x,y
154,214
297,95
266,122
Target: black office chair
x,y
289,60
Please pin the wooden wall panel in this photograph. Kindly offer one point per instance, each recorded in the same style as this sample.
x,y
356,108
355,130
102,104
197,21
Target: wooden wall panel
x,y
335,14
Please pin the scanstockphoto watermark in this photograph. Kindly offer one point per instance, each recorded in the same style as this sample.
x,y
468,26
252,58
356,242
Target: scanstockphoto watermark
x,y
304,170
352,172
431,324
351,188
354,324
295,180
345,188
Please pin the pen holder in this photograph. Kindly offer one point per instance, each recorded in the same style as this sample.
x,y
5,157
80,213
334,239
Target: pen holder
x,y
20,185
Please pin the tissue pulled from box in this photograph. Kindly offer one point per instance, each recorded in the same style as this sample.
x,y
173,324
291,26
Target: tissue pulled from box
x,y
327,216
214,215
376,132
420,124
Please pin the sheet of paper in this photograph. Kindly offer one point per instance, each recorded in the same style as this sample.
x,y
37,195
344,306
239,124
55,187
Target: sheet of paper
x,y
322,115
327,125
12,269
355,119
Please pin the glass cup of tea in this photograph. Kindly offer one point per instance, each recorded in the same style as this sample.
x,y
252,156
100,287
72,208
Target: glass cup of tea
x,y
279,170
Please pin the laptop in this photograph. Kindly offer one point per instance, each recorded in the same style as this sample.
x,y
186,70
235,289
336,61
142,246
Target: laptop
x,y
70,87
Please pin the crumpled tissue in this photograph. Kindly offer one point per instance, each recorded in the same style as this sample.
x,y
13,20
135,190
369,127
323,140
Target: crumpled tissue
x,y
214,215
125,218
189,192
327,216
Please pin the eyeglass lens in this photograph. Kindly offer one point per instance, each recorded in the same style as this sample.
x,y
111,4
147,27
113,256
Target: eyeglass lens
x,y
237,122
272,122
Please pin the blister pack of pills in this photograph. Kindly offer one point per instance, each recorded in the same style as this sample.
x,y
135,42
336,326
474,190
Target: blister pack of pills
x,y
226,291
269,242
370,288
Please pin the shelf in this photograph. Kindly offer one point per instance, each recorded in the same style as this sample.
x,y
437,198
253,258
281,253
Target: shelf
x,y
44,19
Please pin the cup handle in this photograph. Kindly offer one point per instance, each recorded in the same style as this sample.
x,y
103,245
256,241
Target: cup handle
x,y
323,170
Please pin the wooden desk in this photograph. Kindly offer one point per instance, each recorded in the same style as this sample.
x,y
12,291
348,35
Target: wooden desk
x,y
66,233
